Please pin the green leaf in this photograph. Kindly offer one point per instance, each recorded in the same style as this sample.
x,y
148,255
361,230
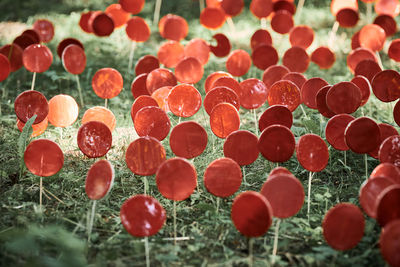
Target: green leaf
x,y
26,133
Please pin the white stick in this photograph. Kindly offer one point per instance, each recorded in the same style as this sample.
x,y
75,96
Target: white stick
x,y
369,13
33,81
202,5
251,241
263,23
275,248
147,251
174,223
231,25
309,195
299,8
332,35
40,193
91,222
157,12
79,90
131,53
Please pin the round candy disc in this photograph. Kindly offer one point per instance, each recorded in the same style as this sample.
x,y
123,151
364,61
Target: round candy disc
x,y
161,96
140,102
285,193
261,8
296,59
302,36
264,56
224,119
184,100
138,86
144,155
284,5
355,41
347,17
223,46
132,6
137,29
260,37
386,130
273,74
146,64
369,193
66,42
74,59
396,113
367,68
251,214
276,114
229,82
388,208
212,18
84,21
189,70
284,93
107,83
170,53
276,143
394,50
232,8
63,110
389,243
117,14
37,129
343,97
37,58
365,88
94,139
188,139
321,102
223,177
142,215
238,63
282,22
176,179
34,35
242,147
279,170
323,57
386,85
99,179
387,7
337,5
295,77
5,67
101,114
102,24
312,152
173,27
343,226
24,41
220,94
362,135
334,131
152,121
358,55
387,170
208,84
253,93
159,78
389,150
30,103
45,29
309,91
14,54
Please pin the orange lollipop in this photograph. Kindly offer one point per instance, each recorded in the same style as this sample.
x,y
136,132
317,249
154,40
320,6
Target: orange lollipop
x,y
260,37
45,29
223,177
212,18
309,91
276,114
372,37
213,3
223,46
30,103
184,100
102,24
295,77
170,53
43,157
296,59
66,42
387,170
199,49
334,131
312,152
159,78
220,94
273,74
63,110
152,121
389,243
188,139
137,29
14,54
74,59
176,179
301,36
238,63
365,88
227,81
99,179
5,67
387,7
37,58
276,143
282,21
264,56
107,83
94,139
224,119
261,8
241,146
101,114
146,64
132,6
232,8
141,102
284,93
189,70
173,27
208,84
358,55
337,5
394,50
385,85
117,14
161,96
138,86
253,94
37,129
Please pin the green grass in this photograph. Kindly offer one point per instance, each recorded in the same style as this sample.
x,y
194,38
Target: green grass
x,y
58,236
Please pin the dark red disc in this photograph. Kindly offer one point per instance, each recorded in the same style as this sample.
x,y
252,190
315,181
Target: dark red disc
x,y
102,25
394,50
264,56
223,177
238,63
223,46
312,152
140,102
273,74
45,29
33,34
362,135
208,84
388,208
117,14
84,21
343,97
74,59
241,146
37,58
94,139
173,27
30,103
251,214
343,226
386,85
142,215
99,179
212,18
287,5
282,21
14,54
144,155
138,86
107,83
23,41
365,88
387,170
369,192
389,243
184,100
301,36
66,42
229,82
334,131
253,93
261,8
170,53
146,64
152,121
355,41
310,89
320,98
224,119
276,114
43,157
387,7
277,143
279,171
159,78
137,29
358,55
387,23
296,59
189,70
176,179
284,93
5,67
389,150
232,8
295,77
347,17
323,57
396,113
367,68
285,193
260,37
386,130
220,94
188,139
132,6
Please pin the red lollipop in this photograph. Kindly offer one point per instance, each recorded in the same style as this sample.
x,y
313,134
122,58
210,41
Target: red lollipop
x,y
45,29
229,82
284,93
260,37
212,18
84,21
173,27
365,88
372,37
102,24
220,94
276,143
146,64
137,29
238,63
63,110
388,208
389,150
176,179
43,157
107,83
334,131
224,119
14,54
117,14
24,41
184,100
152,121
295,77
369,192
223,177
296,59
282,21
323,57
94,139
170,53
32,34
261,8
310,89
142,215
74,59
241,146
144,155
273,74
159,78
199,49
232,8
343,226
387,170
387,23
253,93
223,46
276,114
347,17
343,97
301,36
358,55
279,171
208,84
355,41
138,86
386,85
285,193
251,214
99,179
140,102
389,243
189,70
161,96
132,6
66,42
5,67
362,135
312,152
322,107
30,103
287,5
386,130
37,58
264,56
387,7
394,50
396,113
188,139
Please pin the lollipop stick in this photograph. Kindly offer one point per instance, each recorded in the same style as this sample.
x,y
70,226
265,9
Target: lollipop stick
x,y
378,56
231,25
147,251
52,195
79,90
157,12
369,12
345,158
299,8
91,221
332,34
131,53
33,81
145,184
251,241
263,23
244,175
275,248
202,5
40,193
174,223
309,194
366,166
255,121
217,206
105,103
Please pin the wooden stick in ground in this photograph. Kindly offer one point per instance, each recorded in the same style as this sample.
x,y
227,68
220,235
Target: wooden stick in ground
x,y
332,35
174,223
147,251
231,25
263,23
378,56
91,221
276,236
366,166
33,81
369,13
251,242
309,195
255,121
299,8
79,90
40,193
105,103
202,5
131,53
157,12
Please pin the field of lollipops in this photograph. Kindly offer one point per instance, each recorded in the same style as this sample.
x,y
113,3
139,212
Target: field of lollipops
x,y
200,133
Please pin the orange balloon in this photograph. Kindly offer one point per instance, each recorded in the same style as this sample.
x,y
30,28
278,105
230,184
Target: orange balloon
x,y
170,53
224,119
117,14
159,78
63,110
38,128
107,83
189,70
184,100
238,63
101,114
199,49
212,17
137,29
173,27
372,37
161,96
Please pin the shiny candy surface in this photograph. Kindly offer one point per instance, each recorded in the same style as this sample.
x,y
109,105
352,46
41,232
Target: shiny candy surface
x,y
220,94
242,147
388,208
362,135
389,150
99,179
189,70
137,29
152,121
276,114
31,103
63,110
253,93
224,119
284,93
159,78
146,64
37,58
101,114
389,243
334,131
107,83
238,63
312,152
74,59
170,53
296,59
141,102
184,100
344,97
276,143
369,192
94,139
310,89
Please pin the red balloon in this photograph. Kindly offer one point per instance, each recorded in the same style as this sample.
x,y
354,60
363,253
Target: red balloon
x,y
184,100
232,8
107,83
45,29
146,64
199,49
94,139
389,150
208,84
387,23
387,170
102,24
224,119
141,102
74,59
285,193
238,63
260,37
343,97
273,74
223,177
322,107
310,89
220,94
132,6
301,36
365,88
152,121
253,93
367,68
173,27
295,77
144,155
347,17
227,81
188,139
170,53
276,114
284,93
312,153
30,103
14,54
63,110
37,58
385,85
389,243
137,29
189,70
323,57
369,192
343,226
394,50
251,214
212,18
276,143
241,146
138,86
358,55
66,42
43,157
261,8
264,56
99,179
387,7
117,14
223,46
5,67
176,179
159,78
296,59
362,135
388,208
282,21
142,215
101,114
334,131
84,21
386,130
